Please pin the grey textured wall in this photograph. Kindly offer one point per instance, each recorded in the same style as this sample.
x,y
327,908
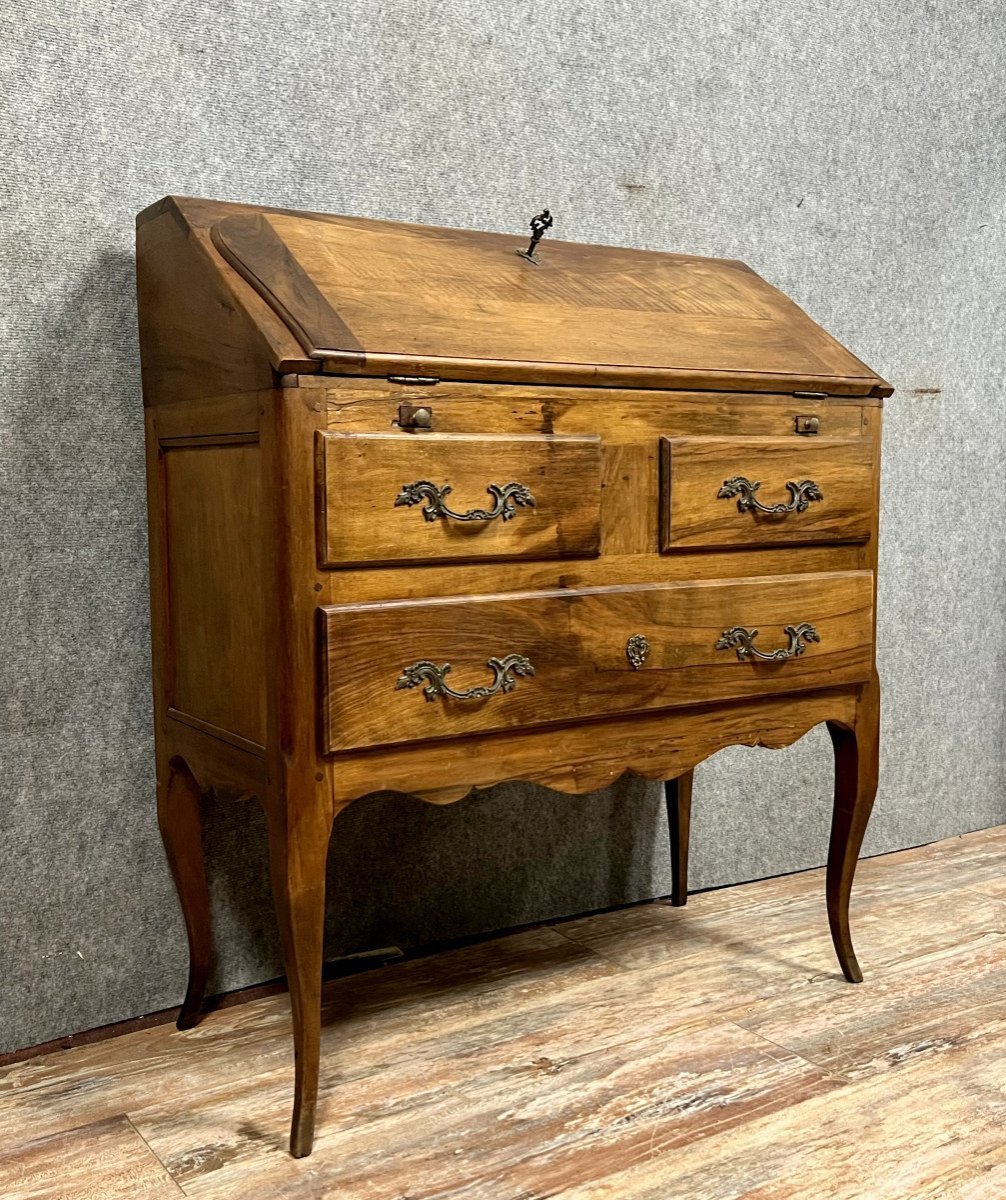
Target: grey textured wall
x,y
851,153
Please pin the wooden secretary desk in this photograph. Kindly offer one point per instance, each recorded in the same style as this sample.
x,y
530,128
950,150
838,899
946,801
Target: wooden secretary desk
x,y
427,515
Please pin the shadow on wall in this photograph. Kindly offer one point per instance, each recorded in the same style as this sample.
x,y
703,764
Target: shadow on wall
x,y
401,872
83,890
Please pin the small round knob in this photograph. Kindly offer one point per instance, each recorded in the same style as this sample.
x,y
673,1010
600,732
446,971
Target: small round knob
x,y
422,418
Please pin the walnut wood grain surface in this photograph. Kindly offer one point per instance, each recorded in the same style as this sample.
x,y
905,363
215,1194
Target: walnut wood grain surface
x,y
630,425
694,470
351,585
576,643
223,339
213,525
583,757
362,475
252,246
415,293
618,415
648,1053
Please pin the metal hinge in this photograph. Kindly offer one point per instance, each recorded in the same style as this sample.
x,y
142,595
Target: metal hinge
x,y
413,380
811,395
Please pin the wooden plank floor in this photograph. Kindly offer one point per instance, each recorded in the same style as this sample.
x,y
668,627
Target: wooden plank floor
x,y
652,1053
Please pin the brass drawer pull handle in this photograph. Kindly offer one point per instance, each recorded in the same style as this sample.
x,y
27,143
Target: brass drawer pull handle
x,y
742,640
506,498
800,495
504,670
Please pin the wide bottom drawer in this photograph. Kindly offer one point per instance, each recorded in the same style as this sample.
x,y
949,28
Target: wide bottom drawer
x,y
413,670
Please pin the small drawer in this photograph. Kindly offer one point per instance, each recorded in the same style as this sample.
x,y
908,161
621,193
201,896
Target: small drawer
x,y
765,491
412,670
421,498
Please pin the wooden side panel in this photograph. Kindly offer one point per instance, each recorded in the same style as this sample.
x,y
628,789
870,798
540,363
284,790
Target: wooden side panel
x,y
379,495
213,507
698,510
203,331
577,645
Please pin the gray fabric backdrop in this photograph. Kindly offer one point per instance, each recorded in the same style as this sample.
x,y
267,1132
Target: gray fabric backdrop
x,y
851,153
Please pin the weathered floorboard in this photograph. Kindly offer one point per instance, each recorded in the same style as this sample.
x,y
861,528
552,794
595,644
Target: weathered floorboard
x,y
650,1053
106,1160
427,995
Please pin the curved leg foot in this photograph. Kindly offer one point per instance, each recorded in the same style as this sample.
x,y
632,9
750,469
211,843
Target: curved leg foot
x,y
857,761
678,795
178,814
298,849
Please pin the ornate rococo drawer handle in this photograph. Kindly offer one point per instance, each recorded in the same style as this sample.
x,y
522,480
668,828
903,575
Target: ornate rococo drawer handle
x,y
504,670
506,496
742,640
800,495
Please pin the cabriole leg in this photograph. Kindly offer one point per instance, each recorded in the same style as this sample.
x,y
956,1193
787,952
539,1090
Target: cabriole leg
x,y
857,762
678,795
178,814
298,849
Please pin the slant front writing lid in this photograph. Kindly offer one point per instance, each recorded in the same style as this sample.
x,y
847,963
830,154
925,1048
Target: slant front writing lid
x,y
375,296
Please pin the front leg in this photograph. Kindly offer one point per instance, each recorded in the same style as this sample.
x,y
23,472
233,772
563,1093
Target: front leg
x,y
857,763
299,832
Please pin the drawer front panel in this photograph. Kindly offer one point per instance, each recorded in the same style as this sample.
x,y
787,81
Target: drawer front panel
x,y
401,498
519,660
714,491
